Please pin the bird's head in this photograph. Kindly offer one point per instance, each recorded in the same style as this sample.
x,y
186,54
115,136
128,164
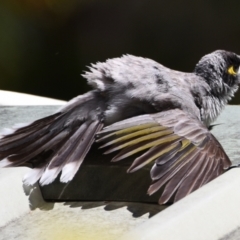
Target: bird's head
x,y
220,69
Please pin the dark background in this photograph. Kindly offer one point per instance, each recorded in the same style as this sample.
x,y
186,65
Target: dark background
x,y
46,44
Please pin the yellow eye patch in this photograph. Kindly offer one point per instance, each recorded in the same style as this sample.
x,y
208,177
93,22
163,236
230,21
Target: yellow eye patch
x,y
231,71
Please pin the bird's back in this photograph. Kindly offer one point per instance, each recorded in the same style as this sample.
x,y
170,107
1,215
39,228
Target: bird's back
x,y
135,85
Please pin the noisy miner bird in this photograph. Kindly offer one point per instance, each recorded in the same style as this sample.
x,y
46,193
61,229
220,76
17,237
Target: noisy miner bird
x,y
137,106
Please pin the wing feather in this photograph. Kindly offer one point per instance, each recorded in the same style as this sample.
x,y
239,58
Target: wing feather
x,y
55,143
186,154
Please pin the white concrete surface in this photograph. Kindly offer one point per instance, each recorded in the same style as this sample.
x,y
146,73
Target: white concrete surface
x,y
13,201
14,98
209,213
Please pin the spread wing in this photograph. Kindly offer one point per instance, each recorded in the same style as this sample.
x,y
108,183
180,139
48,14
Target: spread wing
x,y
54,144
185,154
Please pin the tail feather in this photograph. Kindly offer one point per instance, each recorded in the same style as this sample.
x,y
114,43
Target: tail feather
x,y
33,176
67,148
82,148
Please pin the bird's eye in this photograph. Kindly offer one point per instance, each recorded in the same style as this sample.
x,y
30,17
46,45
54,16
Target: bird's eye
x,y
232,70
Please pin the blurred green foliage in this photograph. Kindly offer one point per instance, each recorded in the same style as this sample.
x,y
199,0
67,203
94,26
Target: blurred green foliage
x,y
46,44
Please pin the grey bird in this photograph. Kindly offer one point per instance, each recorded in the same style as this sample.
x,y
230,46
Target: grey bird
x,y
137,106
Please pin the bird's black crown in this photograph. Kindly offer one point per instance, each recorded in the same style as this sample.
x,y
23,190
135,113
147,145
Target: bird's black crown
x,y
220,70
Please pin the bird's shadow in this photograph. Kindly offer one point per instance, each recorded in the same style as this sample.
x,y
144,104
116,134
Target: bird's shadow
x,y
137,209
